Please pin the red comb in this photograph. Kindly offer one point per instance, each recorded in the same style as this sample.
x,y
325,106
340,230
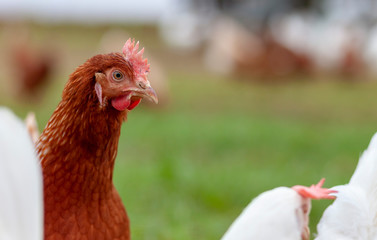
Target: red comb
x,y
315,191
135,58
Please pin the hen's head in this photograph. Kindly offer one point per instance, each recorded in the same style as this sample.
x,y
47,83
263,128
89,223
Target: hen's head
x,y
112,81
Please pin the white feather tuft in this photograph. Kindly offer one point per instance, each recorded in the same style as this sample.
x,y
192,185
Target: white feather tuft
x,y
353,214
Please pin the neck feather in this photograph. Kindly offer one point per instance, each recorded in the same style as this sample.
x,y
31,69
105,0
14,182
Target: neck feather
x,y
80,141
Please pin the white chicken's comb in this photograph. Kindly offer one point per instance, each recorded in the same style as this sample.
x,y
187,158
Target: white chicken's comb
x,y
315,191
135,58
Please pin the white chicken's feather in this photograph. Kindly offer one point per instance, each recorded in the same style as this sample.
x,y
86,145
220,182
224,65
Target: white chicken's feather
x,y
275,214
21,197
353,214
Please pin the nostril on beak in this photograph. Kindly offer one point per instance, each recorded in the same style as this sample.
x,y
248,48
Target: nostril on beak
x,y
142,85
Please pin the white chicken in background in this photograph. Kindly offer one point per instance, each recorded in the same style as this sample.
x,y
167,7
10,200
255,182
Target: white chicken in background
x,y
353,215
229,45
281,213
21,197
326,41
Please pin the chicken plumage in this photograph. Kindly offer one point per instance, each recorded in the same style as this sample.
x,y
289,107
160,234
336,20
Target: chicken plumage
x,y
353,214
21,208
79,145
281,213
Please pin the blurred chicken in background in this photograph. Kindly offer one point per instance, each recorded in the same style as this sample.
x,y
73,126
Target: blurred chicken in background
x,y
242,51
278,38
31,62
32,66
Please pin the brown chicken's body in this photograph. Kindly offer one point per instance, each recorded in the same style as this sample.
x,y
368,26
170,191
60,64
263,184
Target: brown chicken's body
x,y
80,199
79,145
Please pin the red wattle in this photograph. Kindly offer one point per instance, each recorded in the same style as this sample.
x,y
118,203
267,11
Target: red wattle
x,y
121,103
133,104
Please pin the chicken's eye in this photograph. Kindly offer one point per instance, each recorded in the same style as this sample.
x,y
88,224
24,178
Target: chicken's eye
x,y
117,76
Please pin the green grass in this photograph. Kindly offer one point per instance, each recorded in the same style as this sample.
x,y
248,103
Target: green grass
x,y
186,170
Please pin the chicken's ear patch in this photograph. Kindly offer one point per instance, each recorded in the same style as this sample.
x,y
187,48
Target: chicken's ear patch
x,y
98,87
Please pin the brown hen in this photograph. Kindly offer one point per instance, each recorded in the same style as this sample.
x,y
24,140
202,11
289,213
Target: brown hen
x,y
79,145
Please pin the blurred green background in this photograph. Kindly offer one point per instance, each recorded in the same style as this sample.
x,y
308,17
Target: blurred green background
x,y
187,168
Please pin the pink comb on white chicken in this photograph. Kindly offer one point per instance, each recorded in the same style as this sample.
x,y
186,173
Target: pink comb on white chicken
x,y
315,191
281,213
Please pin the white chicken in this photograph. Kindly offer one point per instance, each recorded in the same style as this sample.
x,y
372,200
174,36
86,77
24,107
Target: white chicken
x,y
353,214
281,213
21,197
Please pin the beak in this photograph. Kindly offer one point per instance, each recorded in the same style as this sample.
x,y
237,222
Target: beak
x,y
144,90
150,94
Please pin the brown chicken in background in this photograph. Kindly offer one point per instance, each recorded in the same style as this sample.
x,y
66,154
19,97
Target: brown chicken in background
x,y
32,67
79,145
